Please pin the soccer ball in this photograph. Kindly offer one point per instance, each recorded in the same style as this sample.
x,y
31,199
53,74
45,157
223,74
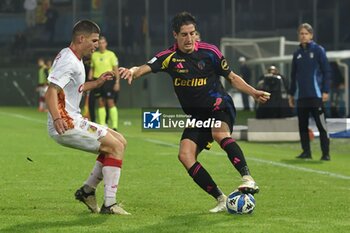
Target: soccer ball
x,y
240,203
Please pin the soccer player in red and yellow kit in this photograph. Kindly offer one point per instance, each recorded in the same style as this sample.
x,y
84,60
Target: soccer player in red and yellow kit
x,y
69,128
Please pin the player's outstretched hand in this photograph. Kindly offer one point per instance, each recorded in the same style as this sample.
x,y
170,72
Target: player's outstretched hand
x,y
262,96
126,73
109,75
104,77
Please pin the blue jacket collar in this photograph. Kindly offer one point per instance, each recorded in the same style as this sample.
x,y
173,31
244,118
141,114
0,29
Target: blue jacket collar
x,y
309,45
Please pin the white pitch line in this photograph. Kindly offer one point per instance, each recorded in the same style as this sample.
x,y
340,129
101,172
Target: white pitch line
x,y
155,141
272,163
340,176
23,117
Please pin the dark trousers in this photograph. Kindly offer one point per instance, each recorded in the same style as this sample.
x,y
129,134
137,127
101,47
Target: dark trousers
x,y
245,100
92,103
313,106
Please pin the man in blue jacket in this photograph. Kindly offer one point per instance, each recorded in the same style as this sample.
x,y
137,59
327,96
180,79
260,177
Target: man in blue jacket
x,y
310,78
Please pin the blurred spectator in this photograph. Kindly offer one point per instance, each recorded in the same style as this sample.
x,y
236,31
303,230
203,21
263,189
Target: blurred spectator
x,y
40,12
11,6
48,64
337,92
7,6
245,73
42,84
30,8
277,107
127,34
50,24
19,45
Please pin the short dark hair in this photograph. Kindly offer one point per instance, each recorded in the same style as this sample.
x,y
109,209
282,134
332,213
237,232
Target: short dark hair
x,y
183,18
85,27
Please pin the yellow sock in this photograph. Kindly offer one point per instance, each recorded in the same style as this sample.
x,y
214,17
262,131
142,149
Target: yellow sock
x,y
102,115
113,115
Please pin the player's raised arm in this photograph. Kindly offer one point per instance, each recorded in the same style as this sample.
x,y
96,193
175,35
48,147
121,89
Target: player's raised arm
x,y
237,82
98,82
134,72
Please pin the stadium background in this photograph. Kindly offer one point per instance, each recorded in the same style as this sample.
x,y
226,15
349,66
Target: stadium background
x,y
40,176
150,32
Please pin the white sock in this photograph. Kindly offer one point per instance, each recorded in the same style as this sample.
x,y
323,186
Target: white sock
x,y
111,177
95,177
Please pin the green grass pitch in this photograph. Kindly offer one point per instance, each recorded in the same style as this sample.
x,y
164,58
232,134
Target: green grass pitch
x,y
38,195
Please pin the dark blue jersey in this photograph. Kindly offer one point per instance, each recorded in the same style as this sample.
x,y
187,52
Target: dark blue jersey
x,y
196,76
311,73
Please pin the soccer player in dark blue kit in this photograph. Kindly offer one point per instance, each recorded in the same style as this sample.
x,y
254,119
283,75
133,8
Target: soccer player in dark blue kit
x,y
195,68
310,81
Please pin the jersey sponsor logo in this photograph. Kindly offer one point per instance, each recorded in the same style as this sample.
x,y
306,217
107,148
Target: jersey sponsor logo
x,y
311,55
224,64
92,129
152,60
81,87
201,65
299,56
194,82
182,71
178,60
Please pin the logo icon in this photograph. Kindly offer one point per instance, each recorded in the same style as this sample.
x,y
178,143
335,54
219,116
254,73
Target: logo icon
x,y
224,64
179,66
151,120
201,65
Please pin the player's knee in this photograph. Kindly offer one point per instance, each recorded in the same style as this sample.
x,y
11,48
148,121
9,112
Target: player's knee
x,y
123,141
186,159
218,137
118,146
179,157
116,149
